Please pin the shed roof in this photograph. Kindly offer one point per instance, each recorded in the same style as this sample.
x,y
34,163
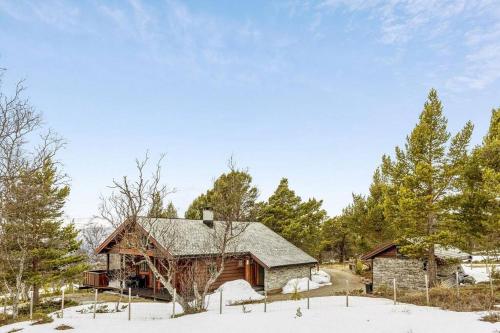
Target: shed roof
x,y
440,251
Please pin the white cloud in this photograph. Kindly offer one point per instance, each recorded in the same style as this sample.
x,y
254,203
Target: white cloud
x,y
55,13
469,29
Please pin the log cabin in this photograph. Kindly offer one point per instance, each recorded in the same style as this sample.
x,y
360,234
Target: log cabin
x,y
258,255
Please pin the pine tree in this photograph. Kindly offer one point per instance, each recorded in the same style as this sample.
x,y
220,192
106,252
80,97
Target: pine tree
x,y
158,211
298,222
280,208
171,211
420,179
489,160
304,231
231,192
194,211
53,250
337,236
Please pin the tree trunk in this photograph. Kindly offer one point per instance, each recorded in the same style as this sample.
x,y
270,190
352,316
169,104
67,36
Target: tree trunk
x,y
431,266
36,294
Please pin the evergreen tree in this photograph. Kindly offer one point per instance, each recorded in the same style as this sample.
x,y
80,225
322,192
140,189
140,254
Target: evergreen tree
x,y
158,211
231,192
337,236
280,208
298,222
171,211
195,209
36,210
304,231
489,161
419,180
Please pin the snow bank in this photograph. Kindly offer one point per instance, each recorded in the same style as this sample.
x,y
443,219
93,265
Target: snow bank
x,y
238,291
299,285
481,257
320,277
480,274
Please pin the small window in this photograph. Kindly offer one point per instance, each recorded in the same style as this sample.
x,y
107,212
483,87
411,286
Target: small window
x,y
240,263
212,269
425,266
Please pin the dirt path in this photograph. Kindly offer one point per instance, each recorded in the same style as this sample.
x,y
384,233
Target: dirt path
x,y
339,275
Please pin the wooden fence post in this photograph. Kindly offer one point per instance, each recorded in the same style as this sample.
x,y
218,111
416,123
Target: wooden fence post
x,y
308,294
457,283
347,293
129,303
62,303
220,305
265,300
95,302
394,290
427,289
173,303
31,305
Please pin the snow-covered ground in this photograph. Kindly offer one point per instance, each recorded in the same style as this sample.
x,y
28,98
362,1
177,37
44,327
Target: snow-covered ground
x,y
326,314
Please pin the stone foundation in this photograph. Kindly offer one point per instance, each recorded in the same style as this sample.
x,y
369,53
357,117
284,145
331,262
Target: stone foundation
x,y
276,278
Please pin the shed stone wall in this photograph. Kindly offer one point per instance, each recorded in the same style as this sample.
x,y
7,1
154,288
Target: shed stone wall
x,y
409,273
276,278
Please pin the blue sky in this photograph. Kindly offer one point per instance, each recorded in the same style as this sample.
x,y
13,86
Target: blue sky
x,y
315,91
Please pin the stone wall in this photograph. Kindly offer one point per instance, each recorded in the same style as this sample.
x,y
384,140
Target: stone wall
x,y
409,273
276,278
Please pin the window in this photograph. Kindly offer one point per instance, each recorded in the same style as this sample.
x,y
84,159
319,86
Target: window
x,y
143,267
212,269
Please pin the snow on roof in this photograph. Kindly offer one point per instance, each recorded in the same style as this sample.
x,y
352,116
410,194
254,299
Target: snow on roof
x,y
193,237
450,253
439,250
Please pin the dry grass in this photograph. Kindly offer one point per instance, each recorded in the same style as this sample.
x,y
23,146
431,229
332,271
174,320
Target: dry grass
x,y
471,298
63,327
492,317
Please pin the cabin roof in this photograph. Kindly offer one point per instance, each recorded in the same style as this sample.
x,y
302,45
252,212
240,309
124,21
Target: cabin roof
x,y
184,238
441,252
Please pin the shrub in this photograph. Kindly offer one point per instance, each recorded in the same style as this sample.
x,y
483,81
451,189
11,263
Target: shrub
x,y
63,327
15,330
358,268
472,298
492,317
295,296
41,318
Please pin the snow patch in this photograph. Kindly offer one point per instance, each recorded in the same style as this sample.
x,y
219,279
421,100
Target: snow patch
x,y
238,291
320,277
299,285
481,273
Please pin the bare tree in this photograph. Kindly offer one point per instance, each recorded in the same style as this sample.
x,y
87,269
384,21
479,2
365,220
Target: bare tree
x,y
157,243
126,208
93,234
22,154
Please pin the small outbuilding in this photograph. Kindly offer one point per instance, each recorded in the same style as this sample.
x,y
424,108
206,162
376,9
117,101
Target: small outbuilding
x,y
387,262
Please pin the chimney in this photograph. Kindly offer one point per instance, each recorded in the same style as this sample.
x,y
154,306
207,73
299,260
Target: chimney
x,y
208,217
